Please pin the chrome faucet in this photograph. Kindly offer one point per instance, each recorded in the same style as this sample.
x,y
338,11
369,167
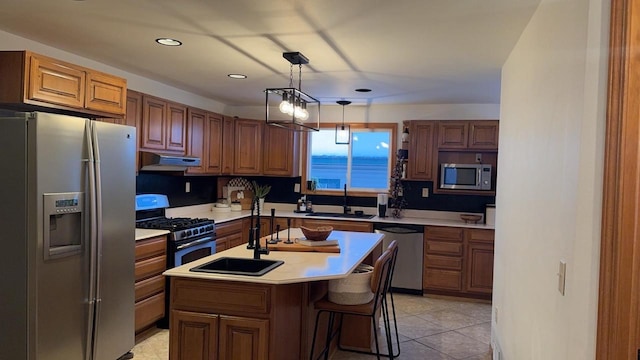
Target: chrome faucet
x,y
346,209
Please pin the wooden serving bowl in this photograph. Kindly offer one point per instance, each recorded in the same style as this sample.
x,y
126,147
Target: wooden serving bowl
x,y
318,234
470,218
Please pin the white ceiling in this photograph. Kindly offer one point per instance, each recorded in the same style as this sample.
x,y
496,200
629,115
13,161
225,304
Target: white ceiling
x,y
406,51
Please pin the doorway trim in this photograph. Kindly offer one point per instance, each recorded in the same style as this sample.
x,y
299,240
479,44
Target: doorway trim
x,y
618,304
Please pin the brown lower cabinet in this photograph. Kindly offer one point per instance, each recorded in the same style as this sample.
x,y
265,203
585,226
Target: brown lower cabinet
x,y
151,262
233,320
458,261
229,234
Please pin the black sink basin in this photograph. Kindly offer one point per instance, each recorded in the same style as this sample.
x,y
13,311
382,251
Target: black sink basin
x,y
341,215
238,266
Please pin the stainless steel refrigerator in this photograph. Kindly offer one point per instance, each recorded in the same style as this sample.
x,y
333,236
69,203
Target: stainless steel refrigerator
x,y
67,190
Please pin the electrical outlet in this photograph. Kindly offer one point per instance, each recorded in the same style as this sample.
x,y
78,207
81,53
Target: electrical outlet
x,y
478,157
425,192
187,187
562,276
296,188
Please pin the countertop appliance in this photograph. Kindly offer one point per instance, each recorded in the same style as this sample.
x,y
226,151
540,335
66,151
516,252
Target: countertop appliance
x,y
188,240
68,259
465,176
407,276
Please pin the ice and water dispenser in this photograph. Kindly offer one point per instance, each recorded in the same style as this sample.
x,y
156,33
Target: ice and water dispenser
x,y
63,217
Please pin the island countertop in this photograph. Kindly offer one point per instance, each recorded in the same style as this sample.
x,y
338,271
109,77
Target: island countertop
x,y
298,267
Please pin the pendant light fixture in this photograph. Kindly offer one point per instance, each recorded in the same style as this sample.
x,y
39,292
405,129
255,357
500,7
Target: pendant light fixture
x,y
289,107
343,132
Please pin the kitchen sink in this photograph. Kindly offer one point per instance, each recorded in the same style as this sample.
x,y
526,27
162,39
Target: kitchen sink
x,y
341,215
238,266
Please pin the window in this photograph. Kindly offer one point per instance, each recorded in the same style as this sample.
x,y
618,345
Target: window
x,y
364,164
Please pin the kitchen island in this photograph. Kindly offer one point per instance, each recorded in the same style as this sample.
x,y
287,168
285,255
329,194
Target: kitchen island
x,y
267,317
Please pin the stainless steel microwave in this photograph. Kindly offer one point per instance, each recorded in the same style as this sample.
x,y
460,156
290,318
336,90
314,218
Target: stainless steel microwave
x,y
465,176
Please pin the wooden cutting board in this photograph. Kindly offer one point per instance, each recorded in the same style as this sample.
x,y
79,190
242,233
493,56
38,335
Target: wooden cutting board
x,y
281,246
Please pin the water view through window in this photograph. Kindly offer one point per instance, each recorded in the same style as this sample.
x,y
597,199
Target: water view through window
x,y
362,165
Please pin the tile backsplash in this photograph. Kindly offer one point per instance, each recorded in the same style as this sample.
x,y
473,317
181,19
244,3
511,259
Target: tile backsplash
x,y
203,190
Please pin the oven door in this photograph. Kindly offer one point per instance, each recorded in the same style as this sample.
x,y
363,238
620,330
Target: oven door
x,y
190,250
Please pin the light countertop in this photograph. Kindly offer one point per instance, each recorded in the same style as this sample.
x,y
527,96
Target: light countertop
x,y
431,218
142,234
298,266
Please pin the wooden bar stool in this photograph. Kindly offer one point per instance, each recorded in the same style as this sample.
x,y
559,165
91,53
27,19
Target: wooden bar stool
x,y
380,283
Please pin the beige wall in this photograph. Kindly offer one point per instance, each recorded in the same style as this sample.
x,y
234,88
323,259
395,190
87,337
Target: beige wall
x,y
550,183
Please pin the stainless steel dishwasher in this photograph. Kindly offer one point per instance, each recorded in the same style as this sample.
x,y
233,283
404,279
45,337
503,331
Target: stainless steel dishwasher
x,y
407,277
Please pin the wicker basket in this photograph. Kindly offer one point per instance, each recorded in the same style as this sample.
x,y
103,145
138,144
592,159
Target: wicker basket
x,y
355,289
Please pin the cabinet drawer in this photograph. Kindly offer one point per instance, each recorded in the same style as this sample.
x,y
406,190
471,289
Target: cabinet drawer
x,y
220,297
151,247
443,279
149,311
443,262
443,233
228,228
150,286
150,267
480,235
444,248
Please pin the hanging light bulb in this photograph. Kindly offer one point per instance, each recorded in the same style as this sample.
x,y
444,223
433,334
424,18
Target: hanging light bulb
x,y
304,113
343,132
285,105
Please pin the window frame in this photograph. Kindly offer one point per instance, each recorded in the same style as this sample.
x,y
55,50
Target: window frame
x,y
393,146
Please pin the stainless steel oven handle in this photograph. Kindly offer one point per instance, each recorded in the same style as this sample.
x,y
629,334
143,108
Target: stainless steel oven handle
x,y
195,242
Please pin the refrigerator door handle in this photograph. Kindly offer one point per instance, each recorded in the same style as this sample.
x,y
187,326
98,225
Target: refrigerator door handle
x,y
98,215
90,350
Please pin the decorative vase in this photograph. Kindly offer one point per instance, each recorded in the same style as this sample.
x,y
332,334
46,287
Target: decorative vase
x,y
261,204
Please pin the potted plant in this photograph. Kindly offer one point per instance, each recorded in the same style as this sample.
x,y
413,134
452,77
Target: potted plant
x,y
259,193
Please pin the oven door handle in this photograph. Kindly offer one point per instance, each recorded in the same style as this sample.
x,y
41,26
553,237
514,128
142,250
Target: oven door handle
x,y
195,242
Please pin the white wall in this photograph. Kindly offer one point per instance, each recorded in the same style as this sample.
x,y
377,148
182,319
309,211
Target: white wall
x,y
550,183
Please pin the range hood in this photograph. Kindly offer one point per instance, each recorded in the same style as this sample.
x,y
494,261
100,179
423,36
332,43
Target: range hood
x,y
162,162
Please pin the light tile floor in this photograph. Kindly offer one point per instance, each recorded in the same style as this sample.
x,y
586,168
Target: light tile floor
x,y
429,328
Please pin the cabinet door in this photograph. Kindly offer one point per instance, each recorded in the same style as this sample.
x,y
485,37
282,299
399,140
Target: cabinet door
x,y
243,338
453,134
194,336
105,93
214,131
177,128
56,82
228,145
153,130
133,117
479,263
248,147
420,163
280,150
483,135
196,146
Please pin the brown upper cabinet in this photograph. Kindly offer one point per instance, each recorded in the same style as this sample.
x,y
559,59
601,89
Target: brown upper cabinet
x,y
34,81
468,135
280,156
228,145
197,144
420,164
164,125
248,147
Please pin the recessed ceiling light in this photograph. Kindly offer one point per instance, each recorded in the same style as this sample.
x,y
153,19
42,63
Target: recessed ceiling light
x,y
363,90
237,76
168,42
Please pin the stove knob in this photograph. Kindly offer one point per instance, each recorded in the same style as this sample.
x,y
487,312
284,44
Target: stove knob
x,y
188,232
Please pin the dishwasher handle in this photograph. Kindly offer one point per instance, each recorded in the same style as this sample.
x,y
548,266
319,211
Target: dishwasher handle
x,y
399,229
